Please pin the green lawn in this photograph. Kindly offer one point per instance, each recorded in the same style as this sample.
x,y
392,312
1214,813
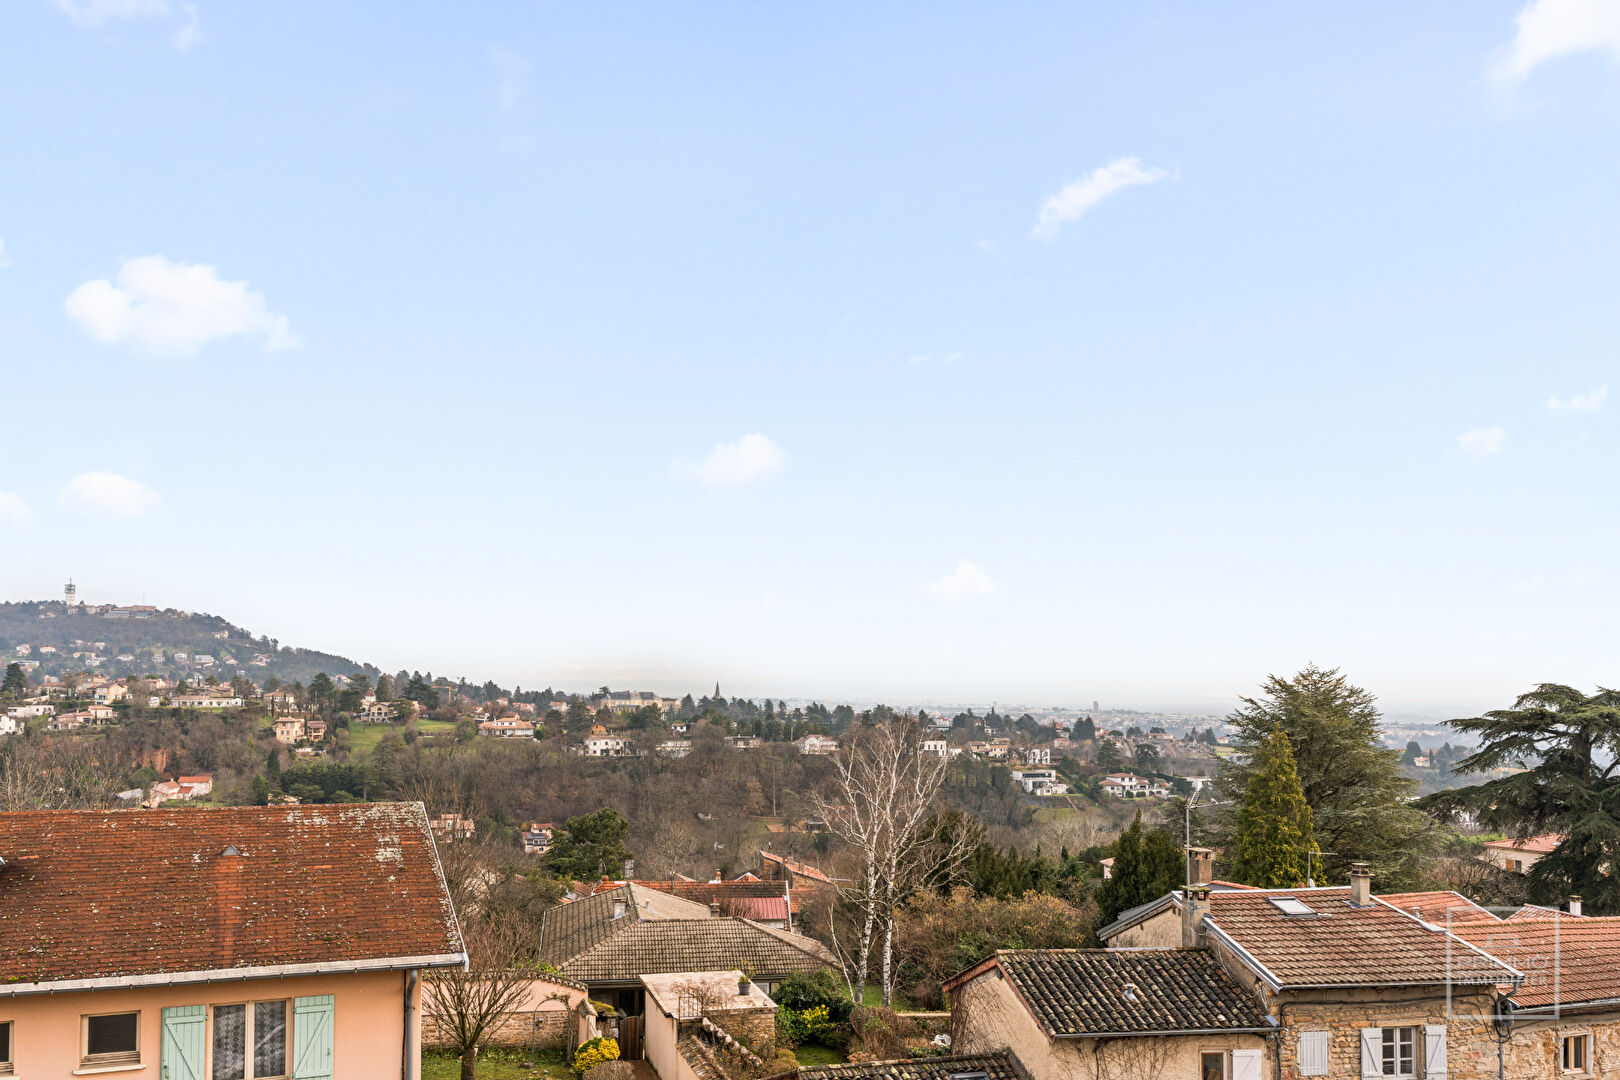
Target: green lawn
x,y
363,738
873,997
807,1055
495,1064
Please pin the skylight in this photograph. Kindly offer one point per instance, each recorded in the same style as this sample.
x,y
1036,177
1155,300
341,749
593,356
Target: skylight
x,y
1290,905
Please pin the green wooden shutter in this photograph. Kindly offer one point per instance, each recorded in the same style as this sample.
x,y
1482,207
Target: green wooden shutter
x,y
312,1037
183,1050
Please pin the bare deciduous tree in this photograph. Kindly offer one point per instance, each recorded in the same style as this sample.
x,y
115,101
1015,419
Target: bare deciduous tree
x,y
881,802
468,1003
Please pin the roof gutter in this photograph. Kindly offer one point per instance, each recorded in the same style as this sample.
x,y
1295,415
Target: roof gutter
x,y
268,971
1268,1030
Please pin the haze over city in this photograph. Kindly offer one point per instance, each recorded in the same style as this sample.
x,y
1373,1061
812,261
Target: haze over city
x,y
914,354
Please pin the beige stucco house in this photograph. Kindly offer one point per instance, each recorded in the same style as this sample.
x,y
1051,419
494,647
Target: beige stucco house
x,y
219,944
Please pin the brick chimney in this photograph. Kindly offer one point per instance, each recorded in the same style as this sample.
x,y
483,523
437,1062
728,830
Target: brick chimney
x,y
1201,866
1360,884
1575,904
1193,909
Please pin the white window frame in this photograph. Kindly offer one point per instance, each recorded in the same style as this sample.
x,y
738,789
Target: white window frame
x,y
249,1019
1585,1040
1390,1039
88,1060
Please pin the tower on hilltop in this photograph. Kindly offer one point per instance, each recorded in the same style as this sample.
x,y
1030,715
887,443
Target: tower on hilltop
x,y
70,593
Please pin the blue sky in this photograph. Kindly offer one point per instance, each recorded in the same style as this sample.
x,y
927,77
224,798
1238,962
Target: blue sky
x,y
914,352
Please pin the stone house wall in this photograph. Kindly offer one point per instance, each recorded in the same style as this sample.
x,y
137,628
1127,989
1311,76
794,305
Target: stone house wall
x,y
754,1028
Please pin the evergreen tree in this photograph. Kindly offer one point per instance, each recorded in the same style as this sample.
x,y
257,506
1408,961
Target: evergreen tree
x,y
1357,791
1084,730
592,848
1569,744
1270,848
1147,864
272,766
16,681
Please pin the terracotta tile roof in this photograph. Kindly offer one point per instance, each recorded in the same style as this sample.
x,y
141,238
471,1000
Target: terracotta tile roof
x,y
1074,992
652,947
1567,961
798,869
1536,911
997,1066
99,894
1538,844
1341,945
1438,907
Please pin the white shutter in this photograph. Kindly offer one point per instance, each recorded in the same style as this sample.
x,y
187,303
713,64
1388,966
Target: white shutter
x,y
1372,1048
1434,1052
1313,1053
1245,1065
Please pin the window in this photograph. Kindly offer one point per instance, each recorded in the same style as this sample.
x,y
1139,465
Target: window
x,y
1213,1065
250,1041
1577,1053
111,1039
1313,1052
5,1047
1399,1051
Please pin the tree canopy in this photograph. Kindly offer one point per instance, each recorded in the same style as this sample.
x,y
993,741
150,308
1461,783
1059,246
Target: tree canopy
x,y
1358,794
1273,839
1569,745
592,848
1147,864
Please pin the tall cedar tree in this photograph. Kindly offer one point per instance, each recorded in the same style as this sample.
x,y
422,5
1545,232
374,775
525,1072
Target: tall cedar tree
x,y
16,680
1571,744
1147,864
1358,794
1270,848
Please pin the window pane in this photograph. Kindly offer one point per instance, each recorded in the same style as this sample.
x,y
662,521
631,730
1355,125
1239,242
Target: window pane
x,y
1213,1066
230,1041
270,1038
5,1042
110,1034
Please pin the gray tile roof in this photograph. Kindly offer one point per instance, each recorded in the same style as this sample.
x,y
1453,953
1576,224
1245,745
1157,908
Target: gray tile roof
x,y
570,929
652,947
1075,992
996,1066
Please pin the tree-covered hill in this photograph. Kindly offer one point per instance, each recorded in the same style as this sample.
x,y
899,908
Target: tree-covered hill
x,y
167,642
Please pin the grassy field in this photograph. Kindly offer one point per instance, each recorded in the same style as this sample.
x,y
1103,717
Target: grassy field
x,y
807,1055
498,1065
873,997
363,738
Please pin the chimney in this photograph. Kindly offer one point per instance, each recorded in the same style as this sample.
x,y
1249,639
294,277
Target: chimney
x,y
1575,904
618,907
1360,885
716,879
1200,865
1193,909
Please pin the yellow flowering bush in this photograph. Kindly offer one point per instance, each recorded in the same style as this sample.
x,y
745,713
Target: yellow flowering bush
x,y
593,1053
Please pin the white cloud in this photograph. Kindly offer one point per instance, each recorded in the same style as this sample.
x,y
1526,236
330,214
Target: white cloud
x,y
1550,29
965,581
1482,442
1588,402
1079,196
512,73
750,458
190,31
13,510
106,494
165,307
96,12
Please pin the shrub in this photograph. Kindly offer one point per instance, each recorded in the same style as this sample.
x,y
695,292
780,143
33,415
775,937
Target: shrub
x,y
594,1052
800,991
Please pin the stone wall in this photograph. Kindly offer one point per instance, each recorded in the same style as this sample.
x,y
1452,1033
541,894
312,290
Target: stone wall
x,y
545,1028
754,1028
